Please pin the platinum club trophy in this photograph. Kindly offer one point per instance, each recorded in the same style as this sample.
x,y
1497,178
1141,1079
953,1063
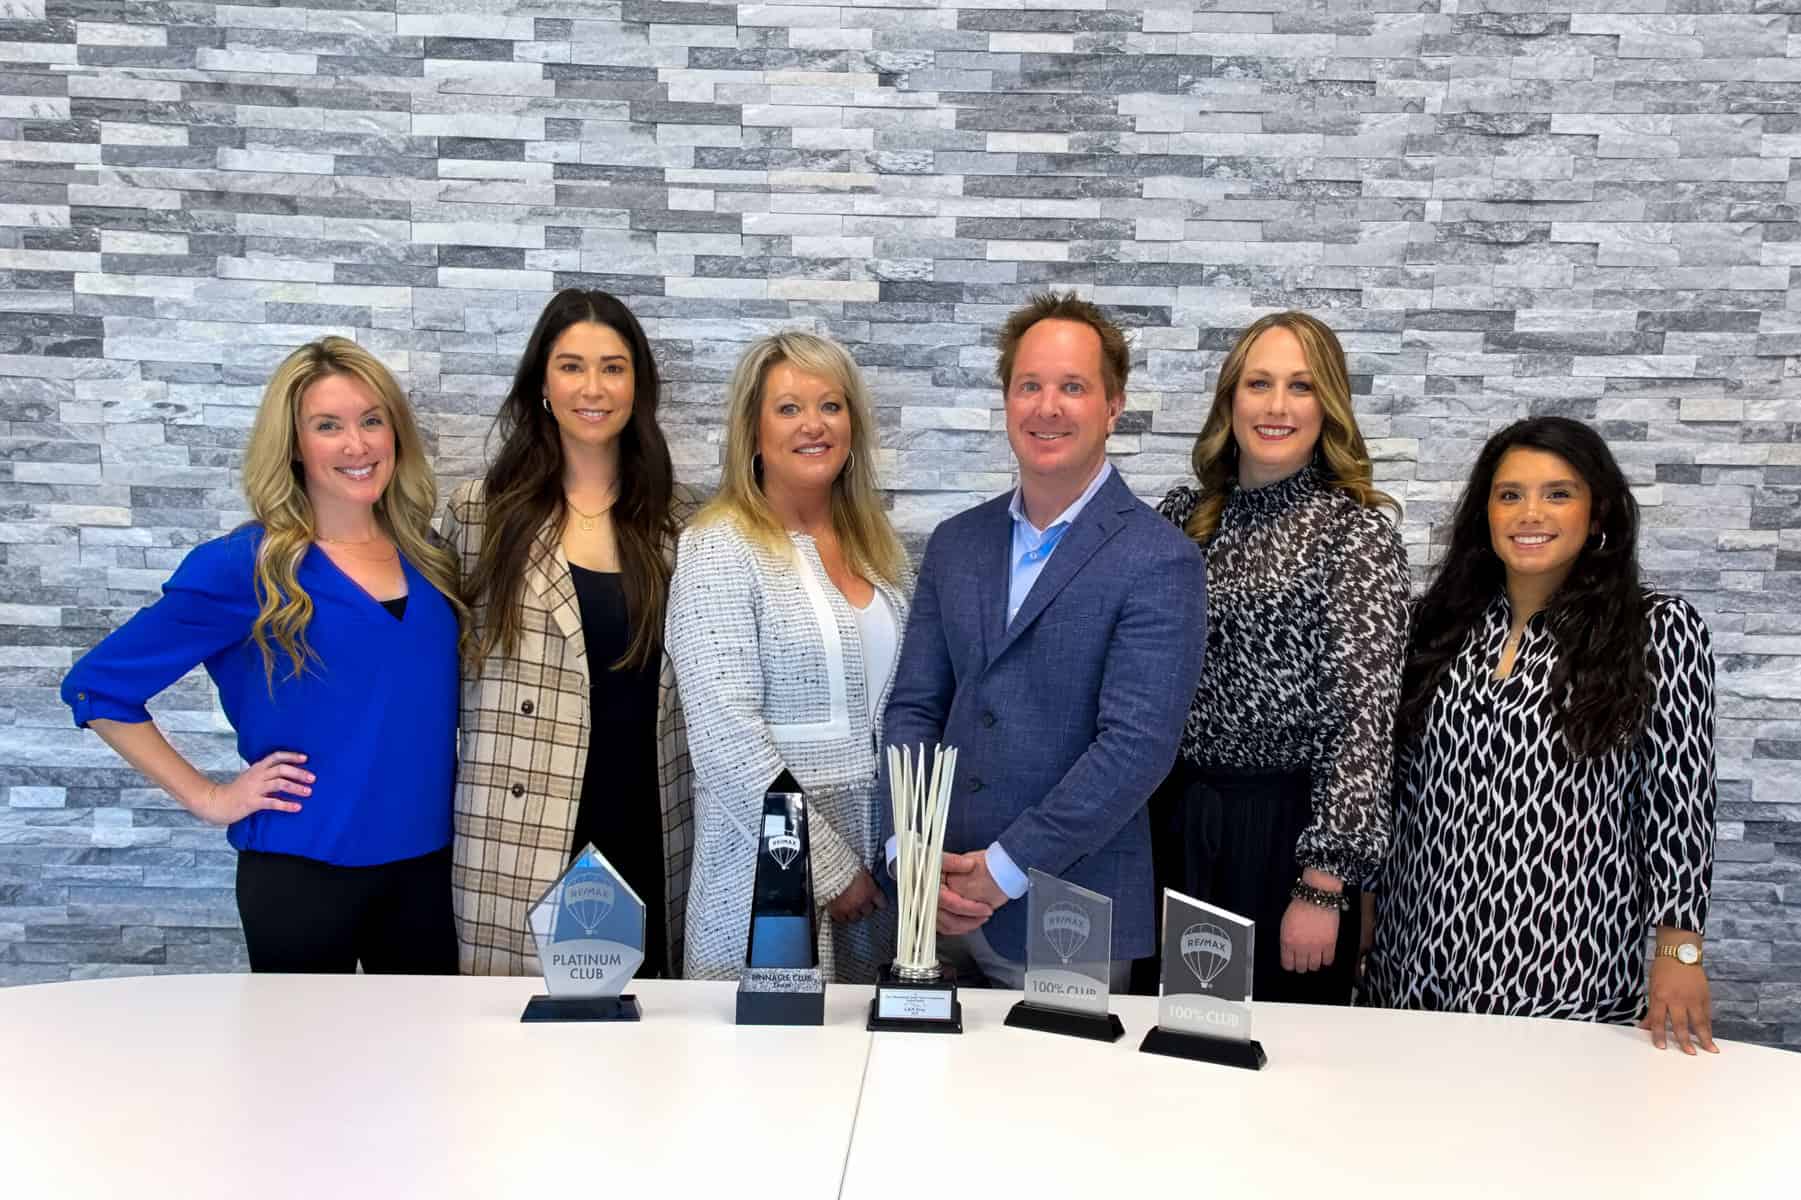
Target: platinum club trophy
x,y
589,928
782,984
1069,961
917,993
1204,1003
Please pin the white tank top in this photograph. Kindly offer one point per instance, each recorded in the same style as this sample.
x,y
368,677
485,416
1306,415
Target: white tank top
x,y
879,636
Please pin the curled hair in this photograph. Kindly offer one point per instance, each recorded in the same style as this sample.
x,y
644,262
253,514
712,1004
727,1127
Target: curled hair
x,y
1116,355
523,489
1599,616
275,486
861,523
1342,458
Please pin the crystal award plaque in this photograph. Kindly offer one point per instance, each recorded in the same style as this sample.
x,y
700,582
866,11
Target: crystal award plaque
x,y
782,984
589,928
1204,1005
1069,961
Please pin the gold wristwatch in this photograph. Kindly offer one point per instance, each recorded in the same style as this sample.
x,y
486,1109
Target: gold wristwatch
x,y
1686,953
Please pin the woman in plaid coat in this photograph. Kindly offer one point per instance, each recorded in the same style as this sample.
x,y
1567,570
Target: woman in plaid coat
x,y
571,730
785,619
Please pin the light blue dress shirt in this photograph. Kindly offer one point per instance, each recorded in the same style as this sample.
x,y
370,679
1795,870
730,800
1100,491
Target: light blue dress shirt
x,y
1031,549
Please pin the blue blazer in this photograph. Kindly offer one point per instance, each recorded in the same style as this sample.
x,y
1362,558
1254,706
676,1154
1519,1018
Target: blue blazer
x,y
1066,720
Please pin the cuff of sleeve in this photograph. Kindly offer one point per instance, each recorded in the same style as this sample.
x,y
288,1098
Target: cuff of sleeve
x,y
1349,868
1007,875
834,867
86,706
891,853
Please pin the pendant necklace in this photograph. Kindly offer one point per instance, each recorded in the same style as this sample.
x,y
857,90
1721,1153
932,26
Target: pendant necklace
x,y
588,519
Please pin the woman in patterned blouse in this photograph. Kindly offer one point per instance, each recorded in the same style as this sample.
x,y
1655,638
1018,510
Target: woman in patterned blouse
x,y
1555,785
1278,806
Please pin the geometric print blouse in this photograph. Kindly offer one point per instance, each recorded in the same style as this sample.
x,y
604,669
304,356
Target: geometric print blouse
x,y
1523,881
1306,628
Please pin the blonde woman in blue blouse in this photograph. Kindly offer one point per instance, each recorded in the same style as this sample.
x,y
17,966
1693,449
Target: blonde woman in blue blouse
x,y
785,619
329,624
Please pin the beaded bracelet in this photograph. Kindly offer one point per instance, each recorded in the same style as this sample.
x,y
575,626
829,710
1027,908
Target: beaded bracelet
x,y
1320,896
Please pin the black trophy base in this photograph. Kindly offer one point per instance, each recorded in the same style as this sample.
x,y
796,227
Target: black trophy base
x,y
1246,1055
901,1006
781,1008
581,1008
1099,1027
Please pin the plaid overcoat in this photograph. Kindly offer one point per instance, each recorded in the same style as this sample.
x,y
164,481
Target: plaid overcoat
x,y
524,743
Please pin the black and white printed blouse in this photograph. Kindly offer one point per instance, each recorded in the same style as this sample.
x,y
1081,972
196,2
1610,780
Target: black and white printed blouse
x,y
1524,881
1306,632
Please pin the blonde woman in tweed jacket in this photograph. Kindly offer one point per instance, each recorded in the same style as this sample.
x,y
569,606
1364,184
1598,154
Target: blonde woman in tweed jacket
x,y
576,519
785,618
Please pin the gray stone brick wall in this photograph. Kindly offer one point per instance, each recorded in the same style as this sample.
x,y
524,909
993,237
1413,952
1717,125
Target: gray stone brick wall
x,y
1506,206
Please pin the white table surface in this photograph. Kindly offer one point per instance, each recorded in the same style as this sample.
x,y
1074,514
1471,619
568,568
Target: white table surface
x,y
337,1088
264,1087
1353,1103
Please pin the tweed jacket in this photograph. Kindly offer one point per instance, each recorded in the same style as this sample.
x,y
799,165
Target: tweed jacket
x,y
767,652
524,743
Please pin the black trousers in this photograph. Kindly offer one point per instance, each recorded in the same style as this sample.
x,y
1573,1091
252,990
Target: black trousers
x,y
1229,838
302,916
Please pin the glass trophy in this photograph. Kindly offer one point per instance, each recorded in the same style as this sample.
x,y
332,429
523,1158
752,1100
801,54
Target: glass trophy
x,y
1204,1003
1069,961
589,928
782,984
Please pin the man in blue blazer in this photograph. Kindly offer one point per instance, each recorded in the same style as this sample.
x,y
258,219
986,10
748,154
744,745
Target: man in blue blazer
x,y
1056,640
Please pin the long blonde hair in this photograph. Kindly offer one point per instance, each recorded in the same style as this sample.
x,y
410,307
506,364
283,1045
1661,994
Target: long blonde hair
x,y
1342,457
864,532
274,484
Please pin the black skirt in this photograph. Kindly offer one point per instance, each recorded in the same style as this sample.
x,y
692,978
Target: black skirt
x,y
1228,838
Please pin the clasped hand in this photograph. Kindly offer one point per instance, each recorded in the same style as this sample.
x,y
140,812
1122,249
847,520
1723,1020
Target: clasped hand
x,y
967,893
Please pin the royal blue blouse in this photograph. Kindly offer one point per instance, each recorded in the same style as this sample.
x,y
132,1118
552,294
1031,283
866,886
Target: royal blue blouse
x,y
375,712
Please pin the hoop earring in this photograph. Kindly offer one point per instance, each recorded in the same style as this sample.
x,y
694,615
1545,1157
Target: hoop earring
x,y
1601,546
850,462
545,397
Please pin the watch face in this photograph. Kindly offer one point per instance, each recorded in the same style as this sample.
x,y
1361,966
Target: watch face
x,y
1688,953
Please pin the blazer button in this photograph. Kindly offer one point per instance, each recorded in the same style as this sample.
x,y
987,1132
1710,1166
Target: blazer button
x,y
528,708
987,720
518,789
975,784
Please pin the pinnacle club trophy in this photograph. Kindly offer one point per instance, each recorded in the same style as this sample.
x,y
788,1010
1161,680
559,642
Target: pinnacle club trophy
x,y
782,984
1204,1003
917,993
1069,961
589,928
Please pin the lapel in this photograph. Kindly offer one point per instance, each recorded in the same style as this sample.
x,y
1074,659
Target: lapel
x,y
547,578
994,547
1092,528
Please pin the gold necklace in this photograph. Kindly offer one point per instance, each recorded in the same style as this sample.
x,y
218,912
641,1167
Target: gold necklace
x,y
588,519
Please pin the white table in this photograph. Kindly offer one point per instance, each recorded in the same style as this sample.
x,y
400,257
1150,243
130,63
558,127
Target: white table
x,y
1354,1102
339,1088
263,1087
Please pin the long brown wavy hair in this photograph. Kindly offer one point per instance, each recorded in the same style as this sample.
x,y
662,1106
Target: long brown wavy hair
x,y
861,523
523,489
1341,456
275,486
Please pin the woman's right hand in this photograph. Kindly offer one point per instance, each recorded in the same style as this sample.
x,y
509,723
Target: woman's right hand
x,y
858,900
264,784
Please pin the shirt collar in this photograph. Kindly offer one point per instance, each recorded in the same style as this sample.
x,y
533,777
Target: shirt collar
x,y
1017,510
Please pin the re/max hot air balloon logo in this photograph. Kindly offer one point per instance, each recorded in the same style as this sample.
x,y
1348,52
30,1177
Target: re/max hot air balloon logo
x,y
588,898
784,848
1066,928
1206,951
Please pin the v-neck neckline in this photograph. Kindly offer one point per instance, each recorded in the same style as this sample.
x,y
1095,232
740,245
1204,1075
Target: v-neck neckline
x,y
406,573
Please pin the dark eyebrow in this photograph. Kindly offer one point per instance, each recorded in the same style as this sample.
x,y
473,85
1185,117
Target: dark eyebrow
x,y
603,358
1514,483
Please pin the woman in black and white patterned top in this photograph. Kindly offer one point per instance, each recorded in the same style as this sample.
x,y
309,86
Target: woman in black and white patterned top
x,y
1555,785
1278,807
